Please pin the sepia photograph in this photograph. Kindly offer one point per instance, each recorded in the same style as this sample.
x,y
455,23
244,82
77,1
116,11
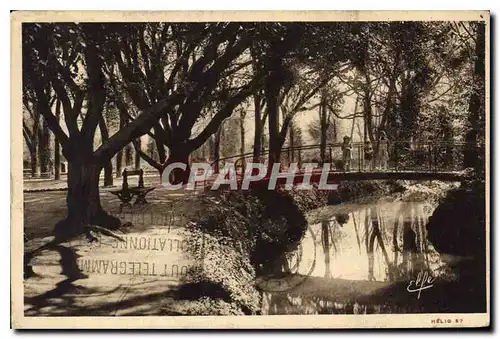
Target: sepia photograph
x,y
212,170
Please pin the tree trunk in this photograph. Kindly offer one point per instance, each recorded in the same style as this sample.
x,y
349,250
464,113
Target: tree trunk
x,y
263,143
34,159
291,135
178,175
242,141
216,150
324,129
108,167
119,158
57,151
128,155
84,205
57,161
472,156
44,148
325,237
108,174
137,162
368,114
257,144
119,155
204,151
162,155
272,91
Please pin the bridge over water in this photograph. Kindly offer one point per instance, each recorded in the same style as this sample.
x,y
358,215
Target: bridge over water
x,y
424,160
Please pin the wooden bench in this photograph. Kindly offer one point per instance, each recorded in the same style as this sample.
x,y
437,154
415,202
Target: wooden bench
x,y
126,194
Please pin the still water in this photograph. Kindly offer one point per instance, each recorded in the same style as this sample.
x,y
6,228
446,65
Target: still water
x,y
360,258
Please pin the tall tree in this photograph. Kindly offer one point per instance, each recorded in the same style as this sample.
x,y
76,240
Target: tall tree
x,y
301,58
399,66
57,151
74,59
474,156
294,142
44,149
199,59
35,130
108,167
259,124
281,40
52,55
31,126
242,116
325,241
258,104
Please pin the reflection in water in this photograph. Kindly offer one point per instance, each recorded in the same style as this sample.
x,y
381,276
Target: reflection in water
x,y
371,247
384,242
325,239
292,304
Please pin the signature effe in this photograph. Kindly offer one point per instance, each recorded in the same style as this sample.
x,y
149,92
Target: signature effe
x,y
424,281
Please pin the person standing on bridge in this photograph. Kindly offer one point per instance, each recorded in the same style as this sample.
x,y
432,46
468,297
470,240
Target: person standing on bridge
x,y
346,153
383,151
368,155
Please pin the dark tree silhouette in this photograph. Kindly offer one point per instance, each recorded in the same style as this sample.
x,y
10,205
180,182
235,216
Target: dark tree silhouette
x,y
205,57
474,157
74,59
52,55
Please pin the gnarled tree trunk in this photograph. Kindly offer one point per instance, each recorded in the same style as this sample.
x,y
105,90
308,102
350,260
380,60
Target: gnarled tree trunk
x,y
179,175
84,204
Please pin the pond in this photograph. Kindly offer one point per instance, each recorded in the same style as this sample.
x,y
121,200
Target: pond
x,y
367,258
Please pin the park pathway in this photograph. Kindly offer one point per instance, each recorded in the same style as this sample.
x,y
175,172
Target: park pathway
x,y
138,276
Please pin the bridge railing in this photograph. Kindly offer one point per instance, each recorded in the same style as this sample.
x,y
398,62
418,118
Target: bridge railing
x,y
429,156
432,156
425,156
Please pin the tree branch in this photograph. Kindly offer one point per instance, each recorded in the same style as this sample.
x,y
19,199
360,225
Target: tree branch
x,y
223,114
146,157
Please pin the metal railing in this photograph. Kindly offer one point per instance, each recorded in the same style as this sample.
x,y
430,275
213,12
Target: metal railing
x,y
422,156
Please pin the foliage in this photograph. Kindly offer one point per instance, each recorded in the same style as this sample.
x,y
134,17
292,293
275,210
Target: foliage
x,y
244,234
354,190
458,224
180,83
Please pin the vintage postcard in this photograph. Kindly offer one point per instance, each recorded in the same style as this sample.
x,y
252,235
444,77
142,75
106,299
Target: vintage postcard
x,y
250,169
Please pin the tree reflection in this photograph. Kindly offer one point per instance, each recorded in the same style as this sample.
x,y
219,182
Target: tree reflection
x,y
412,237
325,240
368,233
285,303
356,231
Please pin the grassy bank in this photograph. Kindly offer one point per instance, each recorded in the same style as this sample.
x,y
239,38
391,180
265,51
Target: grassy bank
x,y
245,234
369,189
